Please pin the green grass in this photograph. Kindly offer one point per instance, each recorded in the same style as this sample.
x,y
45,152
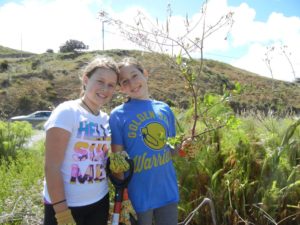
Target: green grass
x,y
9,52
21,187
238,167
245,169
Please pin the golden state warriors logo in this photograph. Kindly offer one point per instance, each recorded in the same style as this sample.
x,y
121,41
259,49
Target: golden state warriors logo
x,y
154,135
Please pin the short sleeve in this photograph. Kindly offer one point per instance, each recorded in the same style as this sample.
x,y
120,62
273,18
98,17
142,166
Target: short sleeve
x,y
116,129
172,127
63,116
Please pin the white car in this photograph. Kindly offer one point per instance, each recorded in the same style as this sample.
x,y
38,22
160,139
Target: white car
x,y
33,117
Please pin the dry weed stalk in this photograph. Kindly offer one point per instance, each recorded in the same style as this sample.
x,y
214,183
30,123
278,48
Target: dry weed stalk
x,y
24,215
160,37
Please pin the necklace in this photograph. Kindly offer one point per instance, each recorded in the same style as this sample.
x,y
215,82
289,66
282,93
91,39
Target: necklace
x,y
86,105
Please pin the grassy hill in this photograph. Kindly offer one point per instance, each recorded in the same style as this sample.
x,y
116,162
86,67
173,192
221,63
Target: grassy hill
x,y
32,82
12,53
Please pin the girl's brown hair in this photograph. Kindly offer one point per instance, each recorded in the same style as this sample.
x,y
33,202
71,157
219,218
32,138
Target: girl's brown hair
x,y
96,63
129,61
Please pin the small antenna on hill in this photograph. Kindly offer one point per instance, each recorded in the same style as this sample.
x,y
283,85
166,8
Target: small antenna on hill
x,y
103,21
21,46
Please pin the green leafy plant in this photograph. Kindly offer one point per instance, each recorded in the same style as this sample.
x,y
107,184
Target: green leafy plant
x,y
13,136
21,187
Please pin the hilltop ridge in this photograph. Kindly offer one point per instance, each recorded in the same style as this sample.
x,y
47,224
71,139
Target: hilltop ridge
x,y
40,81
6,52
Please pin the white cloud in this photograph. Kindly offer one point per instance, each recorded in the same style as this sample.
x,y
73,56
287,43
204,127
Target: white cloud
x,y
245,29
277,31
48,24
177,26
216,9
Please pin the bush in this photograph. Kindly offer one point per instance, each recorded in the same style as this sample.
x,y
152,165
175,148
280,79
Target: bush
x,y
49,51
13,136
21,187
249,169
4,66
72,46
35,64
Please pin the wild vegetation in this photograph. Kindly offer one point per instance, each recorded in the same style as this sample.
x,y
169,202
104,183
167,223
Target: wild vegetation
x,y
21,172
249,169
42,81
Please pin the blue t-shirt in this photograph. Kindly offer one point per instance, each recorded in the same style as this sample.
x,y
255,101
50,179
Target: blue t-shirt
x,y
142,127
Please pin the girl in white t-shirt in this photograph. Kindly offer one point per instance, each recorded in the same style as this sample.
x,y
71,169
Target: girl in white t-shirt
x,y
78,139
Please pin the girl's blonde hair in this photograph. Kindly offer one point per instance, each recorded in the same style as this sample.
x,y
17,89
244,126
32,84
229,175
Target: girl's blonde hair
x,y
130,61
96,63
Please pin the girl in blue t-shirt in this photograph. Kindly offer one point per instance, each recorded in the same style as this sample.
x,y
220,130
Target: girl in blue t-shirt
x,y
141,127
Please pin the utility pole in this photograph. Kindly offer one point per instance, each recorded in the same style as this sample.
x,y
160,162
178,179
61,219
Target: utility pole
x,y
103,34
21,46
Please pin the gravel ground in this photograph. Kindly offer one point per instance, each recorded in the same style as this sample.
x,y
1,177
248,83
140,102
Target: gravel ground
x,y
39,135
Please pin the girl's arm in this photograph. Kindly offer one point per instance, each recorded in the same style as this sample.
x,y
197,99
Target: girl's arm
x,y
56,144
116,148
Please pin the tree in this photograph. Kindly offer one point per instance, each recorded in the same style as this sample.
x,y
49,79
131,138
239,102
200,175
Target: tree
x,y
49,50
4,66
72,46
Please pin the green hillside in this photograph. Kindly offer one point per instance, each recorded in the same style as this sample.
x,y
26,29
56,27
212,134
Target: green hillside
x,y
12,53
40,81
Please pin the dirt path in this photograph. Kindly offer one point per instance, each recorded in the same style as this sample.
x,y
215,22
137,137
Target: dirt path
x,y
39,135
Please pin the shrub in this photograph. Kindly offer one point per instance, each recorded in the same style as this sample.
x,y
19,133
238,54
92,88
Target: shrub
x,y
50,50
21,187
13,136
72,46
35,64
4,66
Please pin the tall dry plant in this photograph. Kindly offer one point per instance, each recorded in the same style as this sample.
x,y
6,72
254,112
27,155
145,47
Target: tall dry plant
x,y
278,50
156,36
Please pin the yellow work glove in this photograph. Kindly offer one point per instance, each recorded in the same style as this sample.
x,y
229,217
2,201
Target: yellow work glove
x,y
65,218
127,211
118,163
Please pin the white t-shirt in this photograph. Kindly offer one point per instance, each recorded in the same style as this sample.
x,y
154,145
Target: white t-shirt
x,y
83,168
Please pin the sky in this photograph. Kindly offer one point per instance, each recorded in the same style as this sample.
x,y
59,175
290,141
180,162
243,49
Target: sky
x,y
259,25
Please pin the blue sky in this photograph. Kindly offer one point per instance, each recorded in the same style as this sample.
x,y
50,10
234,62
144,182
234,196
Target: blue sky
x,y
37,25
264,8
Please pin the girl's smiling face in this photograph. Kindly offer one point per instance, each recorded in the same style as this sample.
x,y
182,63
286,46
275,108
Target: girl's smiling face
x,y
100,87
133,82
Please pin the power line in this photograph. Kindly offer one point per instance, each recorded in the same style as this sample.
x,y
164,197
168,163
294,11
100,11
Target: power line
x,y
224,56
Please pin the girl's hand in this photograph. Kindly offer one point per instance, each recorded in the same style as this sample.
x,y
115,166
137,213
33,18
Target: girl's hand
x,y
65,218
184,145
118,163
